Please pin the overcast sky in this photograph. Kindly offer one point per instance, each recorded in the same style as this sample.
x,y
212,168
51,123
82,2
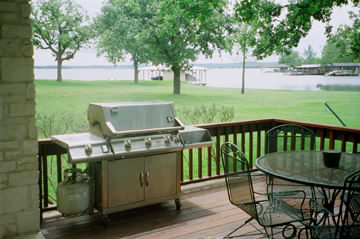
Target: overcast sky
x,y
316,38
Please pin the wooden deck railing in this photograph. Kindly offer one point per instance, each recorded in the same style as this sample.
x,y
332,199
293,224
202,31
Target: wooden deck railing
x,y
202,164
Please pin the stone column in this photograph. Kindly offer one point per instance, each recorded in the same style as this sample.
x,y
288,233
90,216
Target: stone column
x,y
19,192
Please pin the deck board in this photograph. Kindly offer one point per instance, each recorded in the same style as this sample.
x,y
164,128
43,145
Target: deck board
x,y
206,214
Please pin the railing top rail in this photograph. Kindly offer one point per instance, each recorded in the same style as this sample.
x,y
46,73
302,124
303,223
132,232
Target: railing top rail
x,y
318,125
281,121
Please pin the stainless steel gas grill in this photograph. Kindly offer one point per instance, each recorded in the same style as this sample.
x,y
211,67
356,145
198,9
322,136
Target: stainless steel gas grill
x,y
133,150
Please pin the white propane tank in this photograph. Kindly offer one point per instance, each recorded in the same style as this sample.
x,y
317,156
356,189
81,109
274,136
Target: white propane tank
x,y
73,193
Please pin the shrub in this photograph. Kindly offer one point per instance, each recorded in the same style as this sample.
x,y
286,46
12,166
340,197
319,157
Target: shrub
x,y
60,123
206,114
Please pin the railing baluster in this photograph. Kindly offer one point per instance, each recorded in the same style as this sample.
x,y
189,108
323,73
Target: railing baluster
x,y
332,141
251,149
45,181
234,135
226,135
293,141
182,166
322,139
303,142
199,162
355,147
190,164
59,168
343,143
285,142
258,144
243,140
209,161
217,162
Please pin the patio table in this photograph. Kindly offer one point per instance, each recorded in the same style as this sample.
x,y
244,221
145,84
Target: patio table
x,y
308,168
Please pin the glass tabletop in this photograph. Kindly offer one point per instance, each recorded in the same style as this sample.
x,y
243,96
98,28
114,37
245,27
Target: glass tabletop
x,y
308,167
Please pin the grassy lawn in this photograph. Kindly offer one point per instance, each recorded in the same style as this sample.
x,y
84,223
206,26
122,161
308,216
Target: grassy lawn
x,y
73,97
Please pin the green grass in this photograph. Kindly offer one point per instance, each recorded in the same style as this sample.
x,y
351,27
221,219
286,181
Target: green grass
x,y
74,96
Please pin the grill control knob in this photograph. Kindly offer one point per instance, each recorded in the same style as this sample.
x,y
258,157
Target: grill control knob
x,y
88,149
176,139
166,139
127,144
148,142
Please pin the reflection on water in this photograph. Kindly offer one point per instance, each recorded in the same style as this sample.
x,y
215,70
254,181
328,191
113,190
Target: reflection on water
x,y
228,78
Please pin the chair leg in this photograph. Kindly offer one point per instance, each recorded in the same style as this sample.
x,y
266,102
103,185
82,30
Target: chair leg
x,y
229,235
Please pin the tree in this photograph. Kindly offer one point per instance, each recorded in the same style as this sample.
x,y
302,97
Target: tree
x,y
121,30
347,38
309,55
182,30
291,58
333,54
58,26
244,36
281,26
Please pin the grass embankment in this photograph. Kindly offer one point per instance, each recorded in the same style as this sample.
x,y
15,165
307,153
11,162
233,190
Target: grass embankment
x,y
74,96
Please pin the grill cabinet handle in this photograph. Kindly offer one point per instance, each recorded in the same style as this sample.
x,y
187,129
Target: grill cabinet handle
x,y
141,177
147,175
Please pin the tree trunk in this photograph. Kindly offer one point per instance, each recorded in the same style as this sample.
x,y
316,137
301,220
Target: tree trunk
x,y
176,71
243,73
59,70
136,72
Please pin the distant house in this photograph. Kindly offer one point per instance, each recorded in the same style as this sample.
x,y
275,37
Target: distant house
x,y
310,69
196,75
344,68
271,67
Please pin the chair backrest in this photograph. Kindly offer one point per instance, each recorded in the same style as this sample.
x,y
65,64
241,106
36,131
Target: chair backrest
x,y
351,197
289,137
238,178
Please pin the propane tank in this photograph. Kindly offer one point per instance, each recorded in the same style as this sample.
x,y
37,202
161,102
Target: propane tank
x,y
73,193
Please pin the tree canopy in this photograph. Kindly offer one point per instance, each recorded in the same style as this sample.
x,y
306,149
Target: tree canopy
x,y
121,30
166,32
347,38
309,55
182,30
281,24
58,26
332,54
291,58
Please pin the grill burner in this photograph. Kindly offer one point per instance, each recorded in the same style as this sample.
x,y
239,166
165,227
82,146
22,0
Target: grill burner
x,y
133,150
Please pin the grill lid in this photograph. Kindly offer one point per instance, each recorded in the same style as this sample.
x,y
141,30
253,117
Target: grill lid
x,y
123,119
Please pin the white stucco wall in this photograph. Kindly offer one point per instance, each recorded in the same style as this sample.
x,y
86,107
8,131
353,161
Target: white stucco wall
x,y
19,192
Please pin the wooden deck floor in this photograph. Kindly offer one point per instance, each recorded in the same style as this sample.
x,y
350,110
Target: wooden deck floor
x,y
206,214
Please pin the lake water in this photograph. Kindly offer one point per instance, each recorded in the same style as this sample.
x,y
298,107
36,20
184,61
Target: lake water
x,y
222,77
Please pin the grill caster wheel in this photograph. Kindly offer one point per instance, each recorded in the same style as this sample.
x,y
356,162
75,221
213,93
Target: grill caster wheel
x,y
105,220
177,204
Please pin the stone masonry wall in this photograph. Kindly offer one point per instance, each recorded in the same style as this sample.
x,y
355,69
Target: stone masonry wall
x,y
19,192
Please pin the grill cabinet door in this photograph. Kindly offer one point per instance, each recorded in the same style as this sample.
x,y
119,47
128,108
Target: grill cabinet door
x,y
160,173
125,181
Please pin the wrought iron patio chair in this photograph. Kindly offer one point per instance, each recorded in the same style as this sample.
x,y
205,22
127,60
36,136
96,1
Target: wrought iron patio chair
x,y
273,214
285,138
351,205
348,224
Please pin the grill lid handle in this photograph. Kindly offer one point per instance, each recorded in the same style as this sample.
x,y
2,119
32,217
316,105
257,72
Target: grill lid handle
x,y
136,132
